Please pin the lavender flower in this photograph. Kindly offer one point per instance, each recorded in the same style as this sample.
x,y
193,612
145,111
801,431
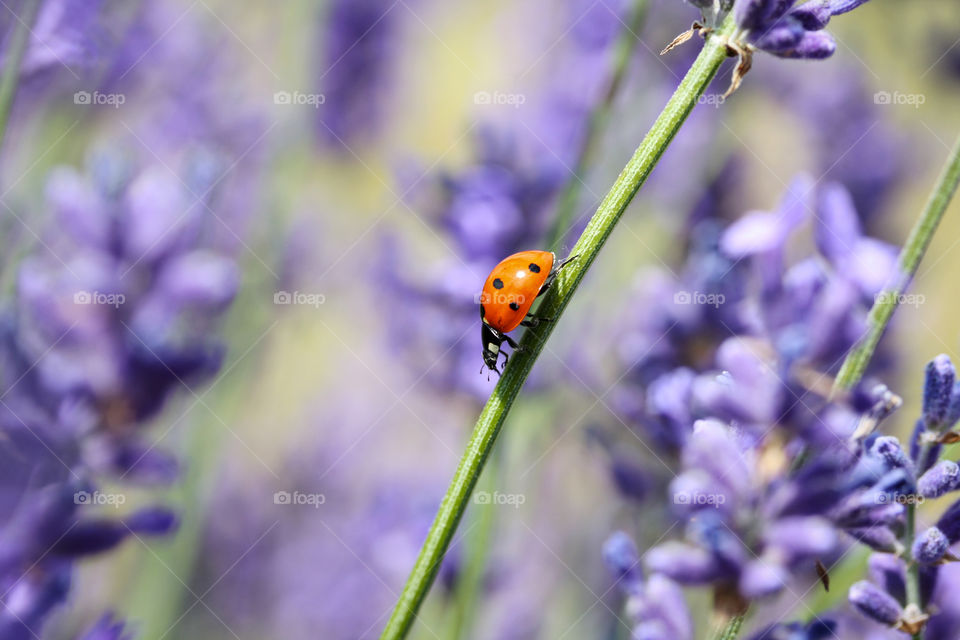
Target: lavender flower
x,y
942,478
930,546
119,313
107,628
750,356
875,603
355,62
655,604
788,31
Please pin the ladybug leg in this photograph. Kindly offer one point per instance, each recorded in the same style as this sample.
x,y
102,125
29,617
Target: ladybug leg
x,y
553,274
534,321
513,343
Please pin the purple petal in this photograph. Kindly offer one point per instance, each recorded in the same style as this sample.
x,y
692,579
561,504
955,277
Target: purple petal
x,y
930,546
875,603
814,45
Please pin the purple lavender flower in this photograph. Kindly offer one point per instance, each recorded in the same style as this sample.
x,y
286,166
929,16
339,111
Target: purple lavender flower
x,y
107,628
42,539
942,478
930,546
656,604
875,603
119,313
788,31
357,47
749,357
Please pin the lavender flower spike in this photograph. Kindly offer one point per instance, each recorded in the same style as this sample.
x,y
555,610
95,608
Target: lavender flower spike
x,y
930,546
937,391
875,603
942,478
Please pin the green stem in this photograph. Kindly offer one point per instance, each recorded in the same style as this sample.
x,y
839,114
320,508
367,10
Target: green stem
x,y
910,256
14,57
731,630
477,553
596,123
556,300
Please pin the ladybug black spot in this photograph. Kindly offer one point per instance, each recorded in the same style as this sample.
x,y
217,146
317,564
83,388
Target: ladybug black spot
x,y
514,306
497,283
534,267
483,312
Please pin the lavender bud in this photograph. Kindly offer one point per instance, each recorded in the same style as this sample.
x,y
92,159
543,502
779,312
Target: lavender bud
x,y
953,412
874,603
916,446
107,628
815,45
942,478
949,522
842,6
930,546
620,555
761,578
813,15
802,537
683,563
888,449
890,572
937,391
877,538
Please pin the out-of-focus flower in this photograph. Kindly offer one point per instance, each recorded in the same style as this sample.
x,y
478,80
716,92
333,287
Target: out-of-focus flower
x,y
791,31
41,540
752,522
120,310
354,68
875,603
655,604
743,334
107,628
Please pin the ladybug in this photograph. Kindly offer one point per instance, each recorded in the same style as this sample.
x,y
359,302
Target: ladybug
x,y
507,296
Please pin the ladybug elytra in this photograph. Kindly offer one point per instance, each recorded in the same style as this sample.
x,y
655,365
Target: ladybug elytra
x,y
507,296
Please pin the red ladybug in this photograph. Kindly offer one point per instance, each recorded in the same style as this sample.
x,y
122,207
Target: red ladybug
x,y
506,298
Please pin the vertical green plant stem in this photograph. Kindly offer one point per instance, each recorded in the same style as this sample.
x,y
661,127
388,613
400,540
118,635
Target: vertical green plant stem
x,y
731,630
13,57
470,582
596,124
556,300
910,256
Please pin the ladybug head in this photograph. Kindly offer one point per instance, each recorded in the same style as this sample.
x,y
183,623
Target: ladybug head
x,y
491,339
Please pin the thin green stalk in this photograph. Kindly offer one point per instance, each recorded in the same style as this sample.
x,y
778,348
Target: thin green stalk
x,y
14,57
910,256
731,630
470,583
596,123
556,300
